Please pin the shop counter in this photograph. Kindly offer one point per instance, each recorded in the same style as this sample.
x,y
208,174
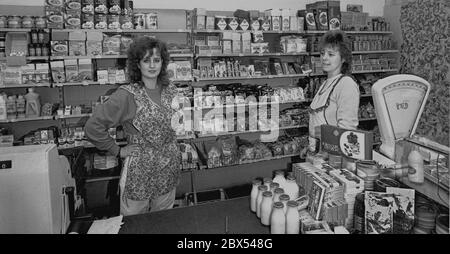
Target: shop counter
x,y
231,216
208,218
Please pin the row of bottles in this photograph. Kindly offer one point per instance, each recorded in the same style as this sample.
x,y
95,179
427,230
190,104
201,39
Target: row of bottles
x,y
21,106
273,201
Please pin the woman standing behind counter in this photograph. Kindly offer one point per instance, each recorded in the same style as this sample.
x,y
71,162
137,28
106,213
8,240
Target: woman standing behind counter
x,y
151,170
337,101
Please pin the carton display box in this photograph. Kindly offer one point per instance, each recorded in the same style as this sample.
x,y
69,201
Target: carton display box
x,y
334,15
58,74
322,15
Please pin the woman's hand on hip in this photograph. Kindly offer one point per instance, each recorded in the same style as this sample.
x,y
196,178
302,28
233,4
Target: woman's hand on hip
x,y
129,150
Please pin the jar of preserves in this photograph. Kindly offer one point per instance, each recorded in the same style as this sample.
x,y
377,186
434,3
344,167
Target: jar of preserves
x,y
45,51
14,21
40,22
28,22
3,21
38,50
31,50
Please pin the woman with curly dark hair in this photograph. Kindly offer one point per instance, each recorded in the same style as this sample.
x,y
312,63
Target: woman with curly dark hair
x,y
337,101
151,169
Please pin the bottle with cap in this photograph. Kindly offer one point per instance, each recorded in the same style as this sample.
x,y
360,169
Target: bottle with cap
x,y
266,208
273,186
259,198
267,181
291,187
279,178
415,162
11,109
20,106
278,219
284,198
292,218
253,195
277,193
33,107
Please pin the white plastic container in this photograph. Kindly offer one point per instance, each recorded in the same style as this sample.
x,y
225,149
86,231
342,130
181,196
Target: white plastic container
x,y
279,178
33,106
415,162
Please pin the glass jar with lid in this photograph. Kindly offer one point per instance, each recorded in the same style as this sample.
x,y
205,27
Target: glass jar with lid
x,y
14,21
28,22
40,22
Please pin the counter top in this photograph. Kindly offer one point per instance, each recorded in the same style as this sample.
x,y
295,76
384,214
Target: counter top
x,y
208,218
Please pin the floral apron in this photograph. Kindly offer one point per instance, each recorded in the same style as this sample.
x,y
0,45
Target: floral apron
x,y
155,169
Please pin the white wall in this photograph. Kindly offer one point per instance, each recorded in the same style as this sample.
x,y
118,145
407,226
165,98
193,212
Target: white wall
x,y
373,7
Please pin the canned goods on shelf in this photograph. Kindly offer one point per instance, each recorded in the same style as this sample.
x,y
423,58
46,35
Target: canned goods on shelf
x,y
40,22
28,22
14,21
3,21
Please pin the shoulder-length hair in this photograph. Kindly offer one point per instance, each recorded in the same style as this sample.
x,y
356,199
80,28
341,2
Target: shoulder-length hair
x,y
138,49
339,40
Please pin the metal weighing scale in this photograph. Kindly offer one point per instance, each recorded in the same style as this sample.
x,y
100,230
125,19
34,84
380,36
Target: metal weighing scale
x,y
399,101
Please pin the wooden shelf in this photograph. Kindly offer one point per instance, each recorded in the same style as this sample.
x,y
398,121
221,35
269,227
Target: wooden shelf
x,y
375,71
245,105
15,30
351,32
242,132
254,77
281,157
128,30
85,83
251,55
41,118
27,85
390,51
73,116
87,57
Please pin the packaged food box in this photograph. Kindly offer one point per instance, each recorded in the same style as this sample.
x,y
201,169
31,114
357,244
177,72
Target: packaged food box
x,y
200,22
58,74
212,40
322,15
184,70
87,21
85,69
28,74
100,7
114,7
59,48
71,66
111,45
102,76
42,73
100,21
87,6
310,17
334,15
73,5
221,22
243,24
55,17
210,22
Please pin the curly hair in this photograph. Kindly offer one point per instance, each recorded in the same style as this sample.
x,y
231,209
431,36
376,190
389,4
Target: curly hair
x,y
338,39
138,49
